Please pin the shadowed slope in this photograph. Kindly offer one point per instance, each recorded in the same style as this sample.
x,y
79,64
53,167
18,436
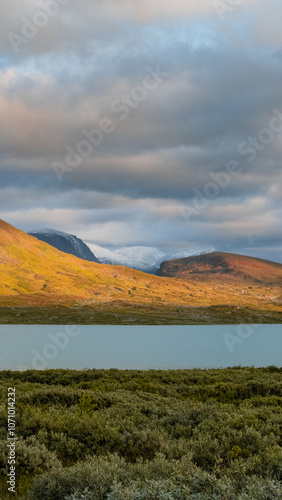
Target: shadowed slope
x,y
65,242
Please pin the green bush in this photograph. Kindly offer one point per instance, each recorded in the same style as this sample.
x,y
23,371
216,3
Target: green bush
x,y
32,457
99,434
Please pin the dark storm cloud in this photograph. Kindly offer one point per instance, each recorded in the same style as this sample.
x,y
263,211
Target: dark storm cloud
x,y
214,105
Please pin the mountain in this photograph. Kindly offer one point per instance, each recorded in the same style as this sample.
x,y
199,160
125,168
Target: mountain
x,y
143,258
42,285
224,267
146,259
65,242
35,273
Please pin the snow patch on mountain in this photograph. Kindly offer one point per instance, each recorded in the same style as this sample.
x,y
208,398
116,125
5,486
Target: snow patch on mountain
x,y
142,258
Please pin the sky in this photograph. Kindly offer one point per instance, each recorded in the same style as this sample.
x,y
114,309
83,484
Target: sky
x,y
144,122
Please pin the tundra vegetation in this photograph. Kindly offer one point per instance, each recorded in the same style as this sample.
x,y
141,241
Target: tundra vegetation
x,y
130,434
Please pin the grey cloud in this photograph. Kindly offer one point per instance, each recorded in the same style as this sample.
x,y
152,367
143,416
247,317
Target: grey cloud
x,y
224,81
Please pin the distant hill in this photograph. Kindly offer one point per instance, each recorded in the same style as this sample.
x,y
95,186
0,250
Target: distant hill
x,y
65,242
224,267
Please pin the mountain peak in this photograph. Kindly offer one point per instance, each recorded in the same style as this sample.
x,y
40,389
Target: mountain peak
x,y
65,242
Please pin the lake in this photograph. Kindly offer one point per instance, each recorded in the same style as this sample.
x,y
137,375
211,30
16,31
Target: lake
x,y
139,347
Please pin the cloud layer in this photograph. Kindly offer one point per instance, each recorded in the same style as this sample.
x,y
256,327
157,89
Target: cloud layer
x,y
120,120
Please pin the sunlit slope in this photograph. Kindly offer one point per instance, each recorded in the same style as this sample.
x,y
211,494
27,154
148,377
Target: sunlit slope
x,y
35,274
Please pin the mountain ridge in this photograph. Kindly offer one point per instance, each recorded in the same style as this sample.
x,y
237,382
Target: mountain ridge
x,y
141,257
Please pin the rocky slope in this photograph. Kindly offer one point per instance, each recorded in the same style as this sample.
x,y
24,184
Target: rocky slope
x,y
65,242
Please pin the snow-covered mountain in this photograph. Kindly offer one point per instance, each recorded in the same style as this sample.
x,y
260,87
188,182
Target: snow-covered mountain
x,y
142,258
65,242
146,259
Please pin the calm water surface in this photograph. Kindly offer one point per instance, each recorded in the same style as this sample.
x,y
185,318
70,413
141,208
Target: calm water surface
x,y
129,347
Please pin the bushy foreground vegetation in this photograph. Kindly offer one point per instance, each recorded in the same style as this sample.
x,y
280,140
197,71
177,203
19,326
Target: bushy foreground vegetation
x,y
145,435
